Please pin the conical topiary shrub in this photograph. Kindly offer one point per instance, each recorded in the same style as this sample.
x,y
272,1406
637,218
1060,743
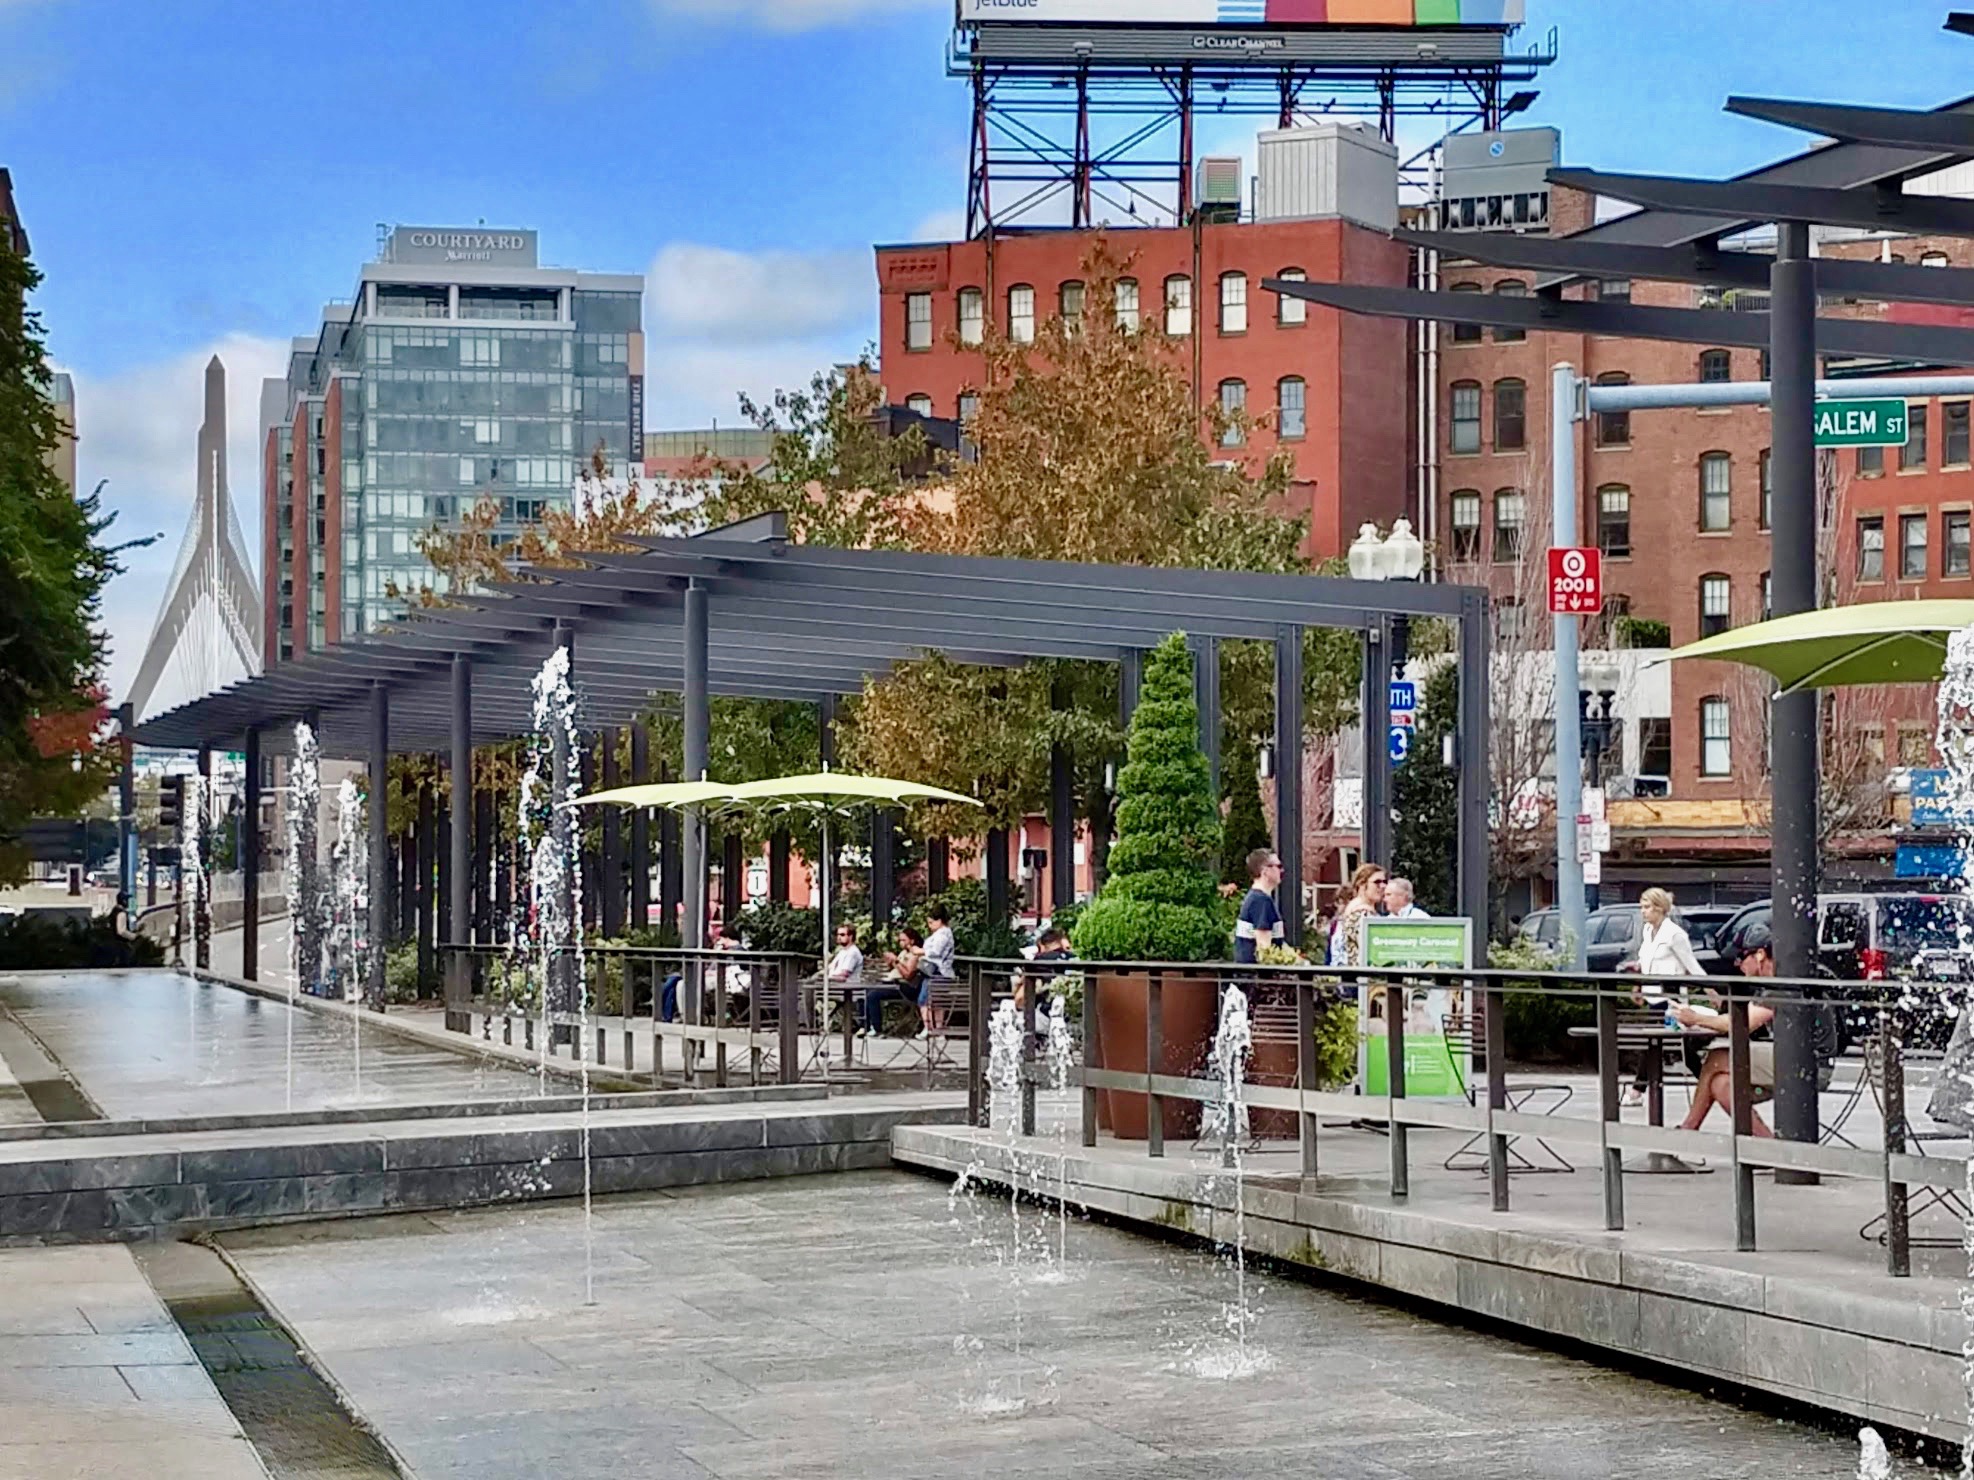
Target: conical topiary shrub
x,y
1161,901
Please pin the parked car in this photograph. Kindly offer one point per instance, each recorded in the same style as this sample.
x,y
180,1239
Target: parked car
x,y
1614,932
1543,928
1876,935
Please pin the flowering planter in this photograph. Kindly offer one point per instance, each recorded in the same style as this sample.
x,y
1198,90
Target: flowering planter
x,y
1188,1005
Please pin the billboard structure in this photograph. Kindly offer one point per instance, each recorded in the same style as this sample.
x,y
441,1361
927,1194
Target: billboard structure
x,y
1094,102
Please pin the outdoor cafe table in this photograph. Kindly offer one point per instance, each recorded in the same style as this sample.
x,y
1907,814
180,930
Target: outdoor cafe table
x,y
847,992
1653,1038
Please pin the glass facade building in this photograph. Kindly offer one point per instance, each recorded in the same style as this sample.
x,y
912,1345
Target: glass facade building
x,y
460,374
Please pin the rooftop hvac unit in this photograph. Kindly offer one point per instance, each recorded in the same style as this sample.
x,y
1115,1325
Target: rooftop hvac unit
x,y
1327,169
1219,187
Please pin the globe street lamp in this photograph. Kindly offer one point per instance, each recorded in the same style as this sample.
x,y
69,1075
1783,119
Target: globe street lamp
x,y
1398,556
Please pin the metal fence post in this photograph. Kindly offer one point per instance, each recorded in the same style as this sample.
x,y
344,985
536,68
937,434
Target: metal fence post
x,y
1494,1025
1898,1235
790,1052
1401,1170
1305,1069
1092,1055
1030,990
1742,1089
1609,1108
1154,1057
982,995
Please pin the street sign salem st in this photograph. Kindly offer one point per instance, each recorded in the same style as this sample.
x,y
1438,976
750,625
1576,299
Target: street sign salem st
x,y
1860,424
1576,580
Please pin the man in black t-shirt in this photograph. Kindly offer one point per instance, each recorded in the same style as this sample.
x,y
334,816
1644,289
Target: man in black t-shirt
x,y
1260,921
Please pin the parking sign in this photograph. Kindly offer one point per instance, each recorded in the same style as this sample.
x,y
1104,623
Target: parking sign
x,y
1576,580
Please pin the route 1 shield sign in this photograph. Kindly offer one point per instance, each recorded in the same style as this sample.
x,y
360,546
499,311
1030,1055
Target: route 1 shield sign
x,y
1576,580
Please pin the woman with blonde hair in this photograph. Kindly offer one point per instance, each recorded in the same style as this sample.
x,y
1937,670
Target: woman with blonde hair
x,y
1367,894
1664,949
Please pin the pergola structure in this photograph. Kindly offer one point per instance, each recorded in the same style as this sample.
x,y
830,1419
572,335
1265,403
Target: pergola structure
x,y
743,611
1680,236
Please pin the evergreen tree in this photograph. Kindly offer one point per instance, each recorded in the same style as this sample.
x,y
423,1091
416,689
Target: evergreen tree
x,y
1246,828
1425,794
1162,899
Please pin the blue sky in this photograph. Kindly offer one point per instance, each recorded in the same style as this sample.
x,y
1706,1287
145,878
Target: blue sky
x,y
200,176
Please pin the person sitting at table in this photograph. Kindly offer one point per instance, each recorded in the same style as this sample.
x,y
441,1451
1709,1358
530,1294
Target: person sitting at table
x,y
905,979
936,963
1664,949
1716,1078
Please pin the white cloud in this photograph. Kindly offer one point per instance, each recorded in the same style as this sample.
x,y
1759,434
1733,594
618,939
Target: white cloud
x,y
749,297
941,226
721,322
139,428
793,15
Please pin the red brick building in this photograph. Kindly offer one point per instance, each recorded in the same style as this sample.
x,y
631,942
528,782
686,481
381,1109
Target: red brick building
x,y
1329,388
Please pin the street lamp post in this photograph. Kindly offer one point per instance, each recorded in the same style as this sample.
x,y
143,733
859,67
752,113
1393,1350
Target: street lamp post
x,y
1599,726
1397,557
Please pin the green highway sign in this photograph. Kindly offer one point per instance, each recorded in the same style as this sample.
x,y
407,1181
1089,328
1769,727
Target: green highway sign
x,y
1860,424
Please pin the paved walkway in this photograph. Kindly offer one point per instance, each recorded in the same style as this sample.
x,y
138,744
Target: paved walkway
x,y
860,1325
96,1380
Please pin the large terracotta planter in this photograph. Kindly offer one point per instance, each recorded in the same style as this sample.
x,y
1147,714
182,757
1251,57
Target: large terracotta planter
x,y
1188,1007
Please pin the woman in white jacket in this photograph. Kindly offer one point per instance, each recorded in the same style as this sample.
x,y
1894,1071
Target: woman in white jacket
x,y
1663,950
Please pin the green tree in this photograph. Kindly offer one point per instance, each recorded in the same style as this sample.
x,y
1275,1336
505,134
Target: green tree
x,y
1425,795
1162,899
53,567
1245,828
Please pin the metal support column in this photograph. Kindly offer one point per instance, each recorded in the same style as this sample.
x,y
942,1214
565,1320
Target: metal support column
x,y
424,854
640,860
1376,827
938,865
671,869
485,841
997,876
610,912
733,876
1130,680
1206,694
249,851
202,884
380,842
459,843
563,988
1569,735
1792,730
778,860
692,824
1288,778
127,810
1470,759
883,868
1062,812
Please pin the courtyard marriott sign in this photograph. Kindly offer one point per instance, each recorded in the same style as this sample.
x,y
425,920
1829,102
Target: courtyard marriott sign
x,y
441,245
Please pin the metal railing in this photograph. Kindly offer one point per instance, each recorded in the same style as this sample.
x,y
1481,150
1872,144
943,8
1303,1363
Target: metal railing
x,y
1891,1010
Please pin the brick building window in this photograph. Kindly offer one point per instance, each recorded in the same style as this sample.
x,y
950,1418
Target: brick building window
x,y
1466,523
1870,462
1069,304
1716,490
1290,310
1614,290
1716,365
1614,519
1508,516
1655,747
1915,746
1912,456
1021,313
1716,604
1233,303
969,406
1178,305
1466,404
1768,595
973,316
1955,560
1292,404
1507,620
1767,503
918,321
919,404
1953,434
1233,403
1466,333
1871,548
1510,288
1510,416
1932,259
1614,427
1127,304
1912,547
1716,745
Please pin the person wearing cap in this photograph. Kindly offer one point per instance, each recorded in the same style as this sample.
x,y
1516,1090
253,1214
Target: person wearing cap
x,y
1715,1080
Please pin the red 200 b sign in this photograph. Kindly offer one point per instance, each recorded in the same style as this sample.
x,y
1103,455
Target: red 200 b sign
x,y
1576,581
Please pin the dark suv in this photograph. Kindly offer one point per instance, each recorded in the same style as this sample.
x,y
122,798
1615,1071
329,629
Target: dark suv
x,y
1923,937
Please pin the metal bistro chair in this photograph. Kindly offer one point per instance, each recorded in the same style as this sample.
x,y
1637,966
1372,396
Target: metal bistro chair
x,y
1460,1029
952,1013
1919,1199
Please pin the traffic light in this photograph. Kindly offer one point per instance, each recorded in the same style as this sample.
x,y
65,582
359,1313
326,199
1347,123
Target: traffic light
x,y
171,806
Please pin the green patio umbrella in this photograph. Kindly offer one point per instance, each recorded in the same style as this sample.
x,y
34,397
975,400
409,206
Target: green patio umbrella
x,y
827,791
1872,642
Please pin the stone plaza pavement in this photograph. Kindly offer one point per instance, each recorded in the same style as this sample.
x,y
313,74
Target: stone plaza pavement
x,y
96,1380
862,1325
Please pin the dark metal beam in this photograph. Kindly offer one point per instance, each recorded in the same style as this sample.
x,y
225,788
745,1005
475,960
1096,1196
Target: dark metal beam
x,y
1928,342
1894,128
1874,207
380,842
1696,262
